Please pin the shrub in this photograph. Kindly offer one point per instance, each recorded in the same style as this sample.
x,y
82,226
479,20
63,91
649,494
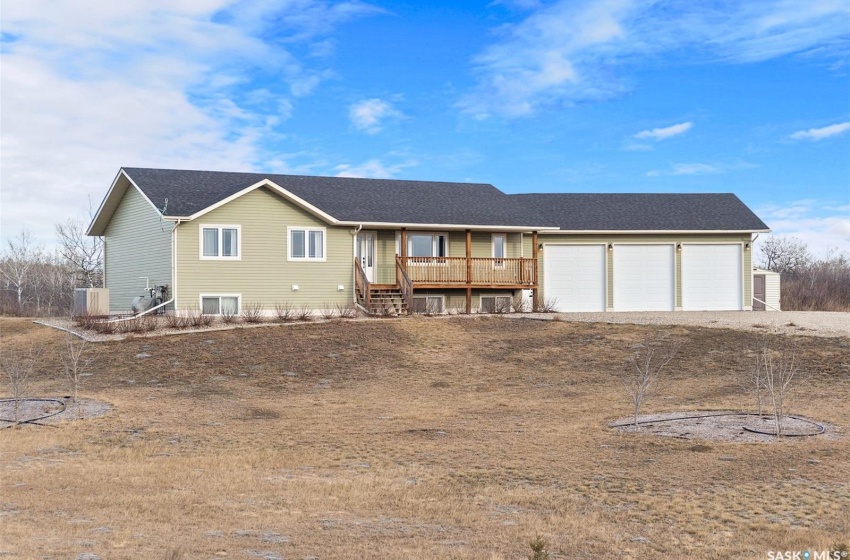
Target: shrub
x,y
304,313
346,310
253,313
519,303
327,312
548,305
538,549
284,312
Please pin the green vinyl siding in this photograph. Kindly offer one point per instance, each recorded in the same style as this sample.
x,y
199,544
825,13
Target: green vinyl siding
x,y
137,242
263,275
644,238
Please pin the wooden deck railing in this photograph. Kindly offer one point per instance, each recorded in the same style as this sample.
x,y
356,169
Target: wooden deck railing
x,y
405,285
361,284
460,271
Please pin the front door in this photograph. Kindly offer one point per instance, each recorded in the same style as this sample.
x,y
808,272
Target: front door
x,y
366,241
758,292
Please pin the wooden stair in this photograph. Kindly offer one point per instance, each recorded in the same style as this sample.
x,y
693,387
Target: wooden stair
x,y
386,302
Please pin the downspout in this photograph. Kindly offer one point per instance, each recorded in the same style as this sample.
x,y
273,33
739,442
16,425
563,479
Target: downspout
x,y
353,255
174,263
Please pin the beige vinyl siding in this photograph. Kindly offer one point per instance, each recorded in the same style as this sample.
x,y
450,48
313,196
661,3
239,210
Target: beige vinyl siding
x,y
263,275
136,243
644,238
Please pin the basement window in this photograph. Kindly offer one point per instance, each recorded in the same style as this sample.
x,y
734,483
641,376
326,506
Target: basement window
x,y
220,305
495,304
428,305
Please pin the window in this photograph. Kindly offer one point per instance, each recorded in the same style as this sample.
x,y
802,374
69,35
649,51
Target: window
x,y
499,248
306,244
495,304
427,245
220,305
220,242
428,305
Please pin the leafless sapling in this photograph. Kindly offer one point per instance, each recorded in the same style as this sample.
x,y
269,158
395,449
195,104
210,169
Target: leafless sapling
x,y
649,358
19,367
76,355
780,369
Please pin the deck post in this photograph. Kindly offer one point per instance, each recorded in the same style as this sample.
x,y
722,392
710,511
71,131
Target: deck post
x,y
468,271
535,292
403,243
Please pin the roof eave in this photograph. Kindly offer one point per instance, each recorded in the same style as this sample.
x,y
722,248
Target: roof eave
x,y
110,203
473,227
657,231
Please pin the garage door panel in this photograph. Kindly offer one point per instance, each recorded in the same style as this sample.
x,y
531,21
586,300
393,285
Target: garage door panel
x,y
644,277
574,276
712,277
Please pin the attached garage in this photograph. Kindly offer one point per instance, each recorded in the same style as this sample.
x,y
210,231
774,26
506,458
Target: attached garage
x,y
574,276
644,277
712,277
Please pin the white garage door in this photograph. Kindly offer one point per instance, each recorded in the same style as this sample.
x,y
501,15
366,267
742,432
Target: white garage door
x,y
574,276
711,277
643,278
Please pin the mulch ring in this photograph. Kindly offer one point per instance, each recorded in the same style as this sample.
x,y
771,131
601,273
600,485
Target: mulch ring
x,y
50,410
724,425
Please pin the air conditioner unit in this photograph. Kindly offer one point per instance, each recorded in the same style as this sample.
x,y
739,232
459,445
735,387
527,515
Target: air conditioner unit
x,y
91,302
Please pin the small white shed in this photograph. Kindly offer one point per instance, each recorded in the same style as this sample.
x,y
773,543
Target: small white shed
x,y
766,290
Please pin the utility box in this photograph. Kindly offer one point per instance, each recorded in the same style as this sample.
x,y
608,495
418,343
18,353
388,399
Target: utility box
x,y
91,302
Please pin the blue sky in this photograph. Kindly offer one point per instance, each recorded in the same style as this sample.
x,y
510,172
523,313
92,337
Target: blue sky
x,y
531,96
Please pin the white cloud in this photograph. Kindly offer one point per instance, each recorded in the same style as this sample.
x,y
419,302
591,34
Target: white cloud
x,y
816,134
699,169
370,114
90,86
664,133
819,223
374,169
571,50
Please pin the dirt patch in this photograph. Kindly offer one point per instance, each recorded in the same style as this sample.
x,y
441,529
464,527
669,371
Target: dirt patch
x,y
35,411
723,425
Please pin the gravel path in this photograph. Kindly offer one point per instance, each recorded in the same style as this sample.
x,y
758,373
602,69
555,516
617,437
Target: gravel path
x,y
808,323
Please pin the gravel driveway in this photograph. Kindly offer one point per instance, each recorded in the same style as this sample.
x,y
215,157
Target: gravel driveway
x,y
808,323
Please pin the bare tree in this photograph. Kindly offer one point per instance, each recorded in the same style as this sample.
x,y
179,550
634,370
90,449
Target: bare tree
x,y
83,252
76,356
640,377
780,369
19,366
16,268
783,254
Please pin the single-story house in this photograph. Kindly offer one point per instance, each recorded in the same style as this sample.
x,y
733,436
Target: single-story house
x,y
221,241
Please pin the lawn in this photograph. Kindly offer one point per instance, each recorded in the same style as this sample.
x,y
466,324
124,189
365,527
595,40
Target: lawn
x,y
415,438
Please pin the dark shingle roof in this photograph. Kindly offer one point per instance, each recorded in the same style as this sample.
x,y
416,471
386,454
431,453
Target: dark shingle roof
x,y
346,199
427,202
642,212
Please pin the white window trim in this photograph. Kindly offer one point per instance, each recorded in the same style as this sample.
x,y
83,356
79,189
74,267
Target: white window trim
x,y
218,295
442,298
306,230
434,235
220,227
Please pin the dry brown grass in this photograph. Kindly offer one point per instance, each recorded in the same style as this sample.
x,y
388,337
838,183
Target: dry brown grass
x,y
416,438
